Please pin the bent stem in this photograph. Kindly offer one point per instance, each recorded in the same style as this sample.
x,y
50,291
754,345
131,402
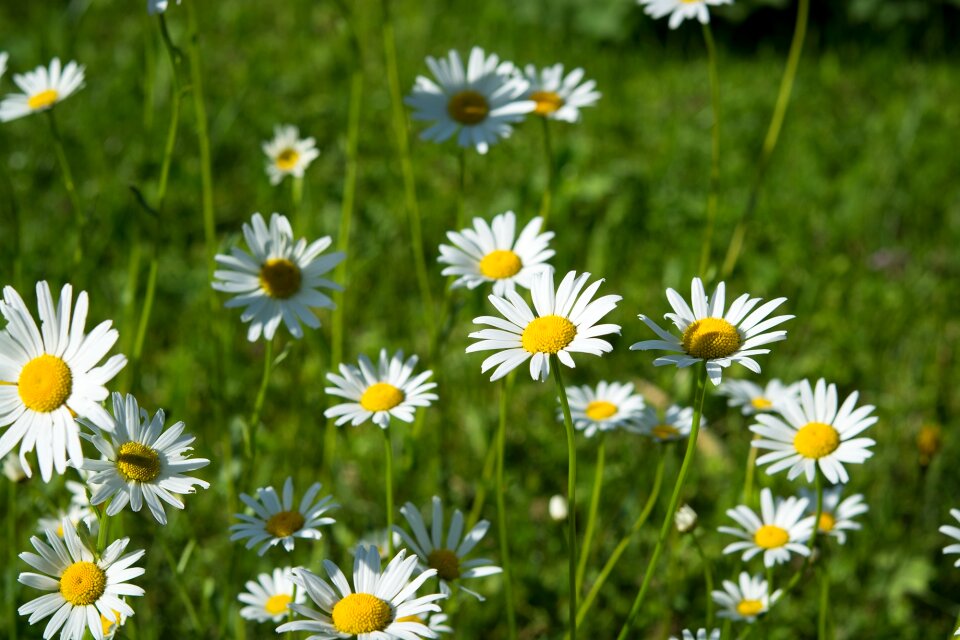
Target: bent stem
x,y
592,512
388,477
571,492
69,184
713,194
547,202
502,511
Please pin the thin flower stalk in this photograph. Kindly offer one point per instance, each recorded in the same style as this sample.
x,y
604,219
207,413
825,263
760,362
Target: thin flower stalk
x,y
571,492
546,204
502,529
592,510
713,193
69,184
388,482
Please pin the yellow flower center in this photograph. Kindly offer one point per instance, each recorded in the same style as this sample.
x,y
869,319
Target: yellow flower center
x,y
381,396
500,264
711,338
107,624
284,523
600,410
760,403
43,99
665,431
45,383
547,102
280,278
445,562
83,583
816,440
749,608
770,536
138,462
287,159
468,107
548,334
827,522
278,604
361,613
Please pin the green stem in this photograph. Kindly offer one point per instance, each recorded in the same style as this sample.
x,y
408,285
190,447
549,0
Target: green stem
x,y
502,513
148,298
547,202
104,525
296,199
813,536
824,604
175,56
672,506
489,462
956,625
713,194
12,546
388,476
185,598
254,422
203,135
571,492
69,184
592,513
707,577
749,474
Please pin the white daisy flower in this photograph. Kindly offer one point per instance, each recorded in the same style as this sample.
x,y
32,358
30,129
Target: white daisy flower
x,y
604,408
489,253
480,101
13,470
3,62
280,281
379,393
112,624
157,6
780,529
680,10
748,600
709,335
141,462
287,154
752,398
558,97
275,522
436,622
446,553
565,323
49,374
812,433
271,596
78,511
379,539
699,634
83,587
674,424
380,608
42,89
953,532
836,517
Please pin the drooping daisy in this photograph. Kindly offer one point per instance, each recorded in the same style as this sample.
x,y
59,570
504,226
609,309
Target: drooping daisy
x,y
287,154
488,253
379,606
680,10
558,97
674,424
446,553
604,408
83,587
379,393
836,517
112,624
811,432
142,462
157,6
564,323
747,601
42,89
280,281
275,522
953,532
780,529
699,634
271,596
49,374
752,398
480,101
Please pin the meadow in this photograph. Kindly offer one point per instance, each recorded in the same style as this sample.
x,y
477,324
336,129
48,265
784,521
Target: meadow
x,y
857,224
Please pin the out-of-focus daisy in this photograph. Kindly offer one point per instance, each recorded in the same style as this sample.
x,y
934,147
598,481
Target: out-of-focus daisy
x,y
13,470
280,281
811,432
953,532
707,334
480,101
699,634
565,322
674,424
780,529
557,507
380,605
680,10
271,596
379,393
604,408
3,62
157,6
446,553
79,511
685,519
558,97
49,374
752,398
378,539
746,601
836,517
142,462
275,522
42,89
83,586
287,154
488,253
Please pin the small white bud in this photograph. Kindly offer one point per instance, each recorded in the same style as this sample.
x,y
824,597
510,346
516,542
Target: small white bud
x,y
558,508
685,519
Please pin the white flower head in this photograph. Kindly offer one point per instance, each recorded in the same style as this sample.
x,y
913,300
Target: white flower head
x,y
836,517
779,530
79,511
680,10
753,399
746,601
42,89
3,62
559,97
699,634
953,532
270,597
274,522
673,424
157,6
288,154
685,519
605,407
557,507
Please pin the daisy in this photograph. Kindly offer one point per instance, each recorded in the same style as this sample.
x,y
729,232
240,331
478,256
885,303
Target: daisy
x,y
3,62
707,335
479,102
752,398
42,88
699,634
78,511
811,432
287,154
604,408
157,6
746,601
558,97
142,462
379,393
489,253
675,424
280,281
681,10
271,596
446,553
13,470
780,529
380,608
49,374
953,532
274,522
83,587
836,517
565,323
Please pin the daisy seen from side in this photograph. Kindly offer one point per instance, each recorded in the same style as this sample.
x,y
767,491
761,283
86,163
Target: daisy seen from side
x,y
277,522
605,407
953,532
559,97
270,597
836,517
680,10
288,154
747,599
753,399
79,511
779,530
157,6
673,424
42,88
